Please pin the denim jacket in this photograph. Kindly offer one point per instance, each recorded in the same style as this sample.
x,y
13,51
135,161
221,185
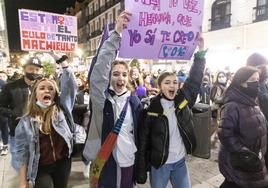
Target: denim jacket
x,y
27,131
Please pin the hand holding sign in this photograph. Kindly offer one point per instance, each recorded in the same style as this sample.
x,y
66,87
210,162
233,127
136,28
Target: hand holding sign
x,y
122,21
60,59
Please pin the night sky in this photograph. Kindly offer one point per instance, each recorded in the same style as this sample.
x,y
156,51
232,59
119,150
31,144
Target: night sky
x,y
12,6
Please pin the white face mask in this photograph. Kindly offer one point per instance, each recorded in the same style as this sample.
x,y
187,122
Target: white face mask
x,y
222,80
38,103
111,88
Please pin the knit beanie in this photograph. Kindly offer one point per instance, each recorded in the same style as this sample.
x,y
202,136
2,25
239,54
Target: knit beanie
x,y
256,59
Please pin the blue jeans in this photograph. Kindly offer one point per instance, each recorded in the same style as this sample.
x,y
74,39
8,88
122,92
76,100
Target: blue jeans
x,y
177,173
12,146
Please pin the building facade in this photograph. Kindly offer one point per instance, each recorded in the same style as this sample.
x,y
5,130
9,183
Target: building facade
x,y
4,47
92,15
233,30
101,12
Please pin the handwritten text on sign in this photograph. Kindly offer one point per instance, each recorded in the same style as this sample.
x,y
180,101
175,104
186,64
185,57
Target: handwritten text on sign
x,y
162,29
43,31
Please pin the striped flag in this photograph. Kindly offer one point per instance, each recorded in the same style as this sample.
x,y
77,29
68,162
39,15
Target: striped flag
x,y
106,149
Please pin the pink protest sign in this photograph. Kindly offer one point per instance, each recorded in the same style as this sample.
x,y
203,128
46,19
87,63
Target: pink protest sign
x,y
44,31
162,29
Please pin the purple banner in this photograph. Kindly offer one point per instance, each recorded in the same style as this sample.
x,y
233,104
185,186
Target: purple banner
x,y
44,31
162,29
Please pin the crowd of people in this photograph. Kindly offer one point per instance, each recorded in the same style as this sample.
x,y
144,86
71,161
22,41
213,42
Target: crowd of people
x,y
128,124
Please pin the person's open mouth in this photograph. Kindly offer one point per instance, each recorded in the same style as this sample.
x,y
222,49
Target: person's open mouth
x,y
47,99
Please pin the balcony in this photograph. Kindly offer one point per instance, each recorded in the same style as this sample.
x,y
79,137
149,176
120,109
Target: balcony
x,y
92,53
111,26
96,13
103,8
220,22
95,33
111,3
90,17
261,13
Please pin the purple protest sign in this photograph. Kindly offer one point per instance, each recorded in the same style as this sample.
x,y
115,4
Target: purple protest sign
x,y
45,31
162,29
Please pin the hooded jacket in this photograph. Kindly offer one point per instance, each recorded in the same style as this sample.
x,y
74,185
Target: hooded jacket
x,y
243,141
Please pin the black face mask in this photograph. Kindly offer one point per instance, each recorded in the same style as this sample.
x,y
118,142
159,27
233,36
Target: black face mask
x,y
32,76
252,90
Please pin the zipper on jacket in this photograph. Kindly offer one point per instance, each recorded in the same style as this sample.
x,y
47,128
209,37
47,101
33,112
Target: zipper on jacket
x,y
52,145
165,142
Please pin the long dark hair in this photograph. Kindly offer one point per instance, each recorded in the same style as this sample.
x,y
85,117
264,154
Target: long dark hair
x,y
219,73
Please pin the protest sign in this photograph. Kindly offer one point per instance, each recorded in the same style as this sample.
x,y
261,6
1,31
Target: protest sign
x,y
162,29
44,31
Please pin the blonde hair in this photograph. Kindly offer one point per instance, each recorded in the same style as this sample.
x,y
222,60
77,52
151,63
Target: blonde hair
x,y
43,116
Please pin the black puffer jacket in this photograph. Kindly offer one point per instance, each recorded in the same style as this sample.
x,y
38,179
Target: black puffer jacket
x,y
243,137
154,138
79,108
263,99
13,101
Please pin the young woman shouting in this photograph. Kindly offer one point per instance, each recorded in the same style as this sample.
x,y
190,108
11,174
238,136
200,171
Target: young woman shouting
x,y
166,134
44,141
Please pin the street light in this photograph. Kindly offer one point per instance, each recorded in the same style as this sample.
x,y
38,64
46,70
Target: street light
x,y
23,61
79,52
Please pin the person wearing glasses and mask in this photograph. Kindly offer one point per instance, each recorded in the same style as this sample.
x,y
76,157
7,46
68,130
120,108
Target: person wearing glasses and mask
x,y
14,97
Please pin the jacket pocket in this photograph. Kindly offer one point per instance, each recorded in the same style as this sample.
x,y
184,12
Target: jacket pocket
x,y
246,161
